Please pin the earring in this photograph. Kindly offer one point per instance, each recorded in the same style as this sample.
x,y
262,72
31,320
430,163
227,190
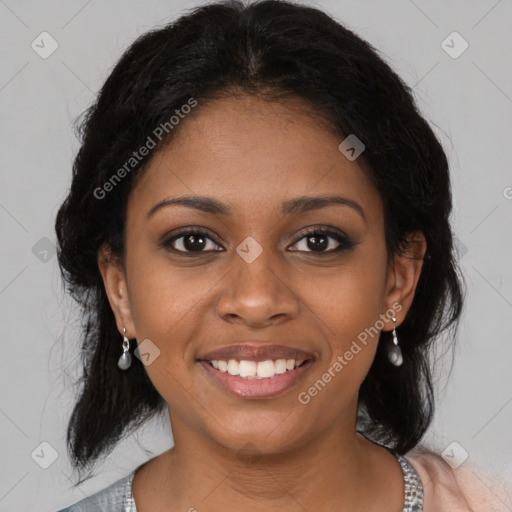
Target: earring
x,y
394,351
125,360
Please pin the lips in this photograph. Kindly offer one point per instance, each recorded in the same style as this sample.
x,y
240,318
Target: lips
x,y
256,389
255,351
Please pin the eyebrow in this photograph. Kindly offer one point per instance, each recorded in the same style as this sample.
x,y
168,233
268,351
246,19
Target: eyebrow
x,y
292,206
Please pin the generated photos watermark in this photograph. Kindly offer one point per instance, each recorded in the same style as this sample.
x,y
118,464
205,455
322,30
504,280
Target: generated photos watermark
x,y
305,397
145,149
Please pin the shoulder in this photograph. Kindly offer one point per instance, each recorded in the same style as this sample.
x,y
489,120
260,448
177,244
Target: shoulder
x,y
114,498
465,488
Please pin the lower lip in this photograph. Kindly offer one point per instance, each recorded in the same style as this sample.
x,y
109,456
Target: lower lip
x,y
258,388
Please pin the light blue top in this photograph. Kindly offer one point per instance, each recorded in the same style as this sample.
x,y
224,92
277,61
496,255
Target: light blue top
x,y
118,496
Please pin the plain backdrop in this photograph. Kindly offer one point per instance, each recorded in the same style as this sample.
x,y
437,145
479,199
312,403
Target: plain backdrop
x,y
467,97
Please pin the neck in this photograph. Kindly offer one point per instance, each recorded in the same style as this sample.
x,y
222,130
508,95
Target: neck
x,y
337,470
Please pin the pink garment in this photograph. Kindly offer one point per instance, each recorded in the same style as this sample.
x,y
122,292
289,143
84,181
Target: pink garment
x,y
464,489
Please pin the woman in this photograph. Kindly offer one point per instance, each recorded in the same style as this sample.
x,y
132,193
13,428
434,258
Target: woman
x,y
261,212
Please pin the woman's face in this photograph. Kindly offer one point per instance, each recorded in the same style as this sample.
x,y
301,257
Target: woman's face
x,y
254,277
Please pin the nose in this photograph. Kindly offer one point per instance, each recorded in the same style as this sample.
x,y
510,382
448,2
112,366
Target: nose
x,y
257,294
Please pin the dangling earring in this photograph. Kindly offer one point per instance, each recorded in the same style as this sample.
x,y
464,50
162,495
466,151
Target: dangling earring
x,y
125,361
394,351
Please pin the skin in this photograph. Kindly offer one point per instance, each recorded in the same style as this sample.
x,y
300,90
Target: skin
x,y
252,155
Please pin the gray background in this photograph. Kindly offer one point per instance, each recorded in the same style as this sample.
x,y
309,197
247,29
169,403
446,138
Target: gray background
x,y
467,99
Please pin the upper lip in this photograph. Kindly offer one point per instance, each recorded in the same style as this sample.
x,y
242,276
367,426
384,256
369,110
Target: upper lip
x,y
255,352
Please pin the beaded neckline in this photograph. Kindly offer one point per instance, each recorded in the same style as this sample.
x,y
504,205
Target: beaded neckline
x,y
413,486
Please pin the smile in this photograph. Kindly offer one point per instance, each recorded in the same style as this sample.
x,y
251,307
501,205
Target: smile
x,y
256,370
253,379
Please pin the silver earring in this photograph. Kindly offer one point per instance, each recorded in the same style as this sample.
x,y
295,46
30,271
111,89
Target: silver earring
x,y
125,361
394,351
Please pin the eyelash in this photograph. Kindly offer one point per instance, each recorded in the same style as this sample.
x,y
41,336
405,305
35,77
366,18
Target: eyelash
x,y
344,241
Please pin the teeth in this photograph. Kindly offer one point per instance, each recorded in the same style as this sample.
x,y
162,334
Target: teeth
x,y
233,367
247,368
256,370
266,369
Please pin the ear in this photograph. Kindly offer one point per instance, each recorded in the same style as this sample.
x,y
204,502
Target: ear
x,y
114,280
403,275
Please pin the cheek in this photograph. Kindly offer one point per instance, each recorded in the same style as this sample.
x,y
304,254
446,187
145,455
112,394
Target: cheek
x,y
349,302
165,297
350,297
164,305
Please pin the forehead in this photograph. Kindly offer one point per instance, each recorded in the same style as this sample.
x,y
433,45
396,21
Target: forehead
x,y
251,153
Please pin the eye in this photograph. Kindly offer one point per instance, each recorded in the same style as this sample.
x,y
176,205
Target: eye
x,y
198,241
319,240
191,241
